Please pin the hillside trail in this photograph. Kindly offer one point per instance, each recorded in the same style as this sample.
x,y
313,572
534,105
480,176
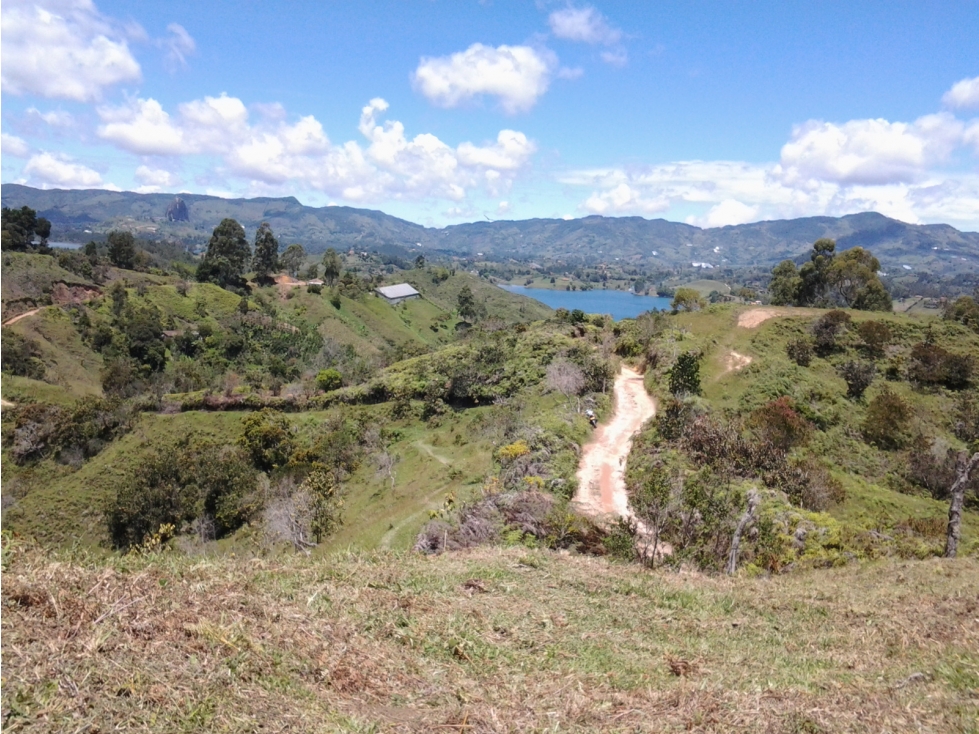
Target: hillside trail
x,y
734,361
20,316
601,472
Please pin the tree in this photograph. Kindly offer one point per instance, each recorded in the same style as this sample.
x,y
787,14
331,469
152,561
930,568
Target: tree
x,y
227,256
853,277
19,227
122,249
265,261
813,275
957,492
91,251
292,259
268,437
885,424
331,266
329,379
783,289
420,262
686,299
469,309
685,374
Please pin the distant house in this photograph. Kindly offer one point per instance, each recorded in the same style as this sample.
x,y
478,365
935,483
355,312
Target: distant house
x,y
395,294
314,281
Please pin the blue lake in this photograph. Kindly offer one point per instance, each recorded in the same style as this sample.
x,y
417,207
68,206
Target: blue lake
x,y
620,304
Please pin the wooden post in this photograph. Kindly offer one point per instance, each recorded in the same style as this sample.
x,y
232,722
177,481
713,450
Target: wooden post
x,y
955,508
748,516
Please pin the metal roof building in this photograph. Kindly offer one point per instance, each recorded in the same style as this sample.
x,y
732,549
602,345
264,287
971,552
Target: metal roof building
x,y
395,294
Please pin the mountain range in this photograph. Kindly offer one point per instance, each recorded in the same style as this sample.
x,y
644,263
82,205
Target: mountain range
x,y
78,215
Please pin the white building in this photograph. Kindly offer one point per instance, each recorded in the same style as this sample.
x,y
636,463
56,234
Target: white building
x,y
395,294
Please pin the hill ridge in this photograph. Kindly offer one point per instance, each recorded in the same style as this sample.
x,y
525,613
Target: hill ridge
x,y
658,243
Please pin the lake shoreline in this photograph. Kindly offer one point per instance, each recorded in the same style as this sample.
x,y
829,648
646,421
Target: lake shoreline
x,y
618,304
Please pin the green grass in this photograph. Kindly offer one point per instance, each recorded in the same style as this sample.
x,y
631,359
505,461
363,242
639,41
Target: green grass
x,y
70,364
28,280
868,474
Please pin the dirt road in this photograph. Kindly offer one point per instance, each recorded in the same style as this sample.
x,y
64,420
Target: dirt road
x,y
601,471
20,316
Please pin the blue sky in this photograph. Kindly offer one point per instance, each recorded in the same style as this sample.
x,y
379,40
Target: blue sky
x,y
708,112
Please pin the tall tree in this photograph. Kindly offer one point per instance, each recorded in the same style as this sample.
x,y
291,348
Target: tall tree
x,y
784,286
469,309
265,261
853,277
227,256
814,274
122,249
331,266
20,226
292,259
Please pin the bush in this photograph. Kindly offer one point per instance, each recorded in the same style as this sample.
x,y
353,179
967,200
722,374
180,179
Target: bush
x,y
827,328
685,375
268,438
932,466
930,366
191,480
965,310
858,376
779,424
965,424
800,352
886,423
876,335
82,429
672,418
329,379
20,356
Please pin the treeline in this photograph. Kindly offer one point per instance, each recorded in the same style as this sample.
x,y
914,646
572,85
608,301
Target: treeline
x,y
849,279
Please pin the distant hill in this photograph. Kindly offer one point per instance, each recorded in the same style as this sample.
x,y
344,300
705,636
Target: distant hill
x,y
79,214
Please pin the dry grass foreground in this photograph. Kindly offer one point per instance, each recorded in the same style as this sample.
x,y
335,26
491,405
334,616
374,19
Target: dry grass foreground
x,y
484,641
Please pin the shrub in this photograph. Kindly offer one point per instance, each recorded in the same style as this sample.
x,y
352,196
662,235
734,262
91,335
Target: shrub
x,y
800,352
965,310
826,329
876,335
886,422
685,374
329,379
965,424
779,424
268,438
930,366
672,418
932,466
858,376
20,356
190,480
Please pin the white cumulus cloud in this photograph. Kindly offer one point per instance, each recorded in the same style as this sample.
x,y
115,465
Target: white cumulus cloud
x,y
62,48
517,75
61,171
729,211
271,151
155,179
585,25
870,151
963,94
624,199
12,145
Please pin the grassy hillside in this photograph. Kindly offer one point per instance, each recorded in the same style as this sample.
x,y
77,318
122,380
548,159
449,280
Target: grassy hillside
x,y
30,281
884,503
485,640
